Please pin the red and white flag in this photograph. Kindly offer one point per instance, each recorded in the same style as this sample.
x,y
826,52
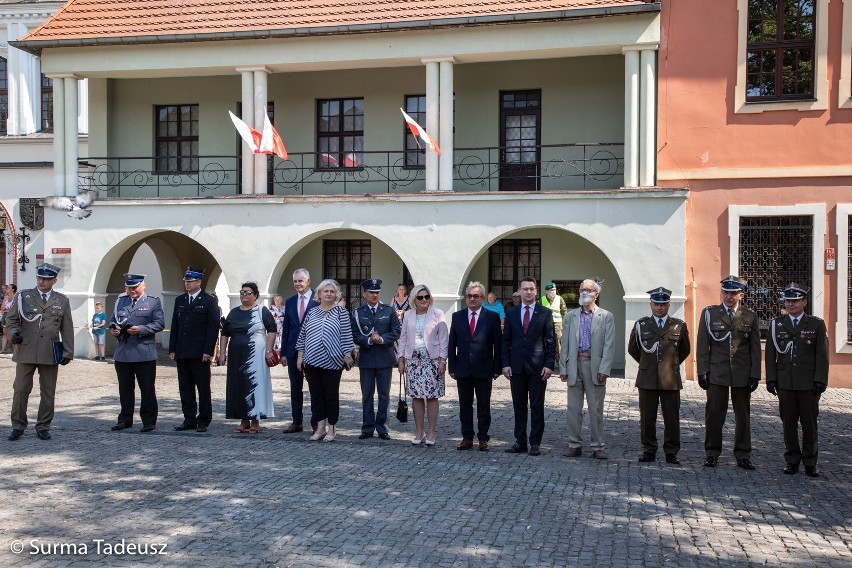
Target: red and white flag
x,y
267,143
416,131
251,136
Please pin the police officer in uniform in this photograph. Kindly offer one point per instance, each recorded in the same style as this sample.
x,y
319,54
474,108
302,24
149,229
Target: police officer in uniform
x,y
659,343
194,332
797,373
375,328
135,321
42,332
728,358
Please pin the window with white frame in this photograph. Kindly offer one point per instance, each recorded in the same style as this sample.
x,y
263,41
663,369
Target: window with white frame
x,y
843,325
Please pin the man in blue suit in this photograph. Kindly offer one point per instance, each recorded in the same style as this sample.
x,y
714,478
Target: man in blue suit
x,y
375,328
135,321
529,353
474,362
295,309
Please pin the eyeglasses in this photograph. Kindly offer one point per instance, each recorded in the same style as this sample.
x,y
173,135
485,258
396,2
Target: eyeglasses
x,y
246,292
426,297
588,291
473,296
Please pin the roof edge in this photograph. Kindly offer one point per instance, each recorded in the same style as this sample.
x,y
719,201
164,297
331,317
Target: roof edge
x,y
36,46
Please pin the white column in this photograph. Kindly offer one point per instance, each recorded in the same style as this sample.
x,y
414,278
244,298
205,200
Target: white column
x,y
58,136
24,84
72,144
631,117
83,106
445,168
648,118
247,181
260,99
432,122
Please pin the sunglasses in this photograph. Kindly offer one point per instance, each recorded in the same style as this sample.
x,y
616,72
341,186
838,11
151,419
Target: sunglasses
x,y
474,296
426,297
246,292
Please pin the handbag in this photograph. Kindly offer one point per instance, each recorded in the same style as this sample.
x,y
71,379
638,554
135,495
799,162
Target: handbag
x,y
402,405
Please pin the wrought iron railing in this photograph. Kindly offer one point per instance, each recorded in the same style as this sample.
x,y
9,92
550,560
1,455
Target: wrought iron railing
x,y
552,167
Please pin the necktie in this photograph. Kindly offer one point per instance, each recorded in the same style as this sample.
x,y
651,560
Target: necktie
x,y
660,323
374,311
132,304
796,322
472,323
301,308
526,319
44,298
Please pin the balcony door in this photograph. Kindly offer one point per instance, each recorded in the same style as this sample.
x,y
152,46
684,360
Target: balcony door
x,y
520,140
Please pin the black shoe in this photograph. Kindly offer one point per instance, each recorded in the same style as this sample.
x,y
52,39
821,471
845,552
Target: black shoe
x,y
147,428
791,469
811,471
672,459
185,426
534,451
384,436
745,463
647,457
43,434
711,461
365,435
517,449
120,426
15,434
201,428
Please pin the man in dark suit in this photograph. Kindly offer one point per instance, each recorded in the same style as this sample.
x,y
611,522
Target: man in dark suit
x,y
295,309
659,343
375,328
474,361
135,321
797,373
194,332
529,353
728,360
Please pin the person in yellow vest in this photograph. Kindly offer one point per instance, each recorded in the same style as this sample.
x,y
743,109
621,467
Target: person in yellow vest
x,y
554,302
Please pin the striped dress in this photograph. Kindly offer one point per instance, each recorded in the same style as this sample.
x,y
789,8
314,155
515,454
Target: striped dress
x,y
325,337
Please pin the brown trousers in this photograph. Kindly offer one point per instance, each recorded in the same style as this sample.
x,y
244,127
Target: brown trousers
x,y
714,420
669,400
22,387
799,406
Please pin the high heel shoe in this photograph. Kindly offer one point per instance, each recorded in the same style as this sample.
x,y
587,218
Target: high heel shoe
x,y
428,442
418,441
331,433
320,431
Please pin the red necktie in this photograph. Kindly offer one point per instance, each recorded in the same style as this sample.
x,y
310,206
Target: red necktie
x,y
301,308
472,322
526,319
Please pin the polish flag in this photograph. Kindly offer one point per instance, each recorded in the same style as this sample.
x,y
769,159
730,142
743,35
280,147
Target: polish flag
x,y
269,142
251,136
416,131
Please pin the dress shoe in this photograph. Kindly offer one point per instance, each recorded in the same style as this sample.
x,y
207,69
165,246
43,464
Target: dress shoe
x,y
516,449
201,428
811,471
711,461
147,428
15,434
43,434
791,469
365,435
745,463
483,446
384,436
429,443
418,441
573,452
534,451
120,426
320,432
600,455
672,459
647,457
293,428
332,432
185,426
465,444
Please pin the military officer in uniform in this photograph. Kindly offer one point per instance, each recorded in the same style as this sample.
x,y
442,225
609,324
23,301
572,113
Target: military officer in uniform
x,y
375,328
728,358
659,343
193,337
135,321
797,373
42,333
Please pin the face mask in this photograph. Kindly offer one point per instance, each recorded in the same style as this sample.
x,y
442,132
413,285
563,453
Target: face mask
x,y
586,298
551,294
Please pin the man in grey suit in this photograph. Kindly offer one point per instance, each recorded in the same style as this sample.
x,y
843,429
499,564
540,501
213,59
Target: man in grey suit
x,y
36,321
135,321
585,362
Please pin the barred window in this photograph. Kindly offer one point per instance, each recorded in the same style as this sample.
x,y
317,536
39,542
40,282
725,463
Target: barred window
x,y
4,97
176,138
774,251
349,262
509,260
849,285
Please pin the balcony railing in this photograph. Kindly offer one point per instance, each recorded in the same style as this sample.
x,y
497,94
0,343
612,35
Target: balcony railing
x,y
554,167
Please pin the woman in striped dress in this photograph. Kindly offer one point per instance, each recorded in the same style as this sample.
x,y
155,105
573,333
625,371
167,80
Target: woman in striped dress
x,y
324,349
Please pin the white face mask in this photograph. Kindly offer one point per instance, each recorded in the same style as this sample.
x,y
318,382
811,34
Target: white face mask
x,y
586,298
551,294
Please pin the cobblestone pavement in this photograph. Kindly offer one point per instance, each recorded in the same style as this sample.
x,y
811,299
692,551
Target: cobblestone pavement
x,y
224,499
